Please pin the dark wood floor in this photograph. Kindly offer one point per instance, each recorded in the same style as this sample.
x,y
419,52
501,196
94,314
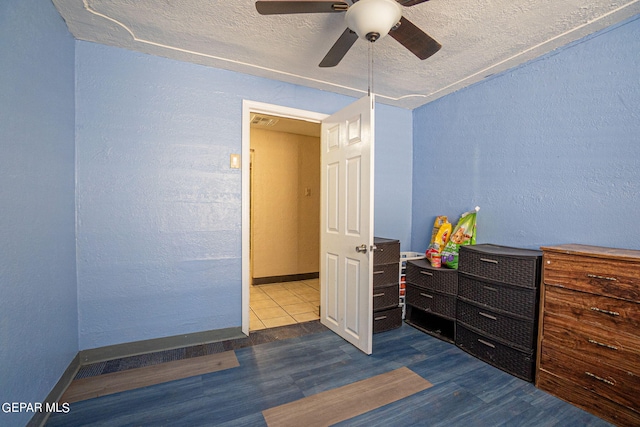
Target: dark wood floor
x,y
465,392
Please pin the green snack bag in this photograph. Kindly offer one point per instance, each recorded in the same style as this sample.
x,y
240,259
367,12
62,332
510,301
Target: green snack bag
x,y
464,233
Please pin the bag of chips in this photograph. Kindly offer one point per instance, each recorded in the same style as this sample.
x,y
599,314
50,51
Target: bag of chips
x,y
439,238
464,233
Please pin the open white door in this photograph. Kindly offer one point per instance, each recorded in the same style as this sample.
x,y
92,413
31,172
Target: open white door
x,y
346,223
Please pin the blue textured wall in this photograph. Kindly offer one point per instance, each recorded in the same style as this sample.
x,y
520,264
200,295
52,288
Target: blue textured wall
x,y
550,151
393,174
159,210
38,311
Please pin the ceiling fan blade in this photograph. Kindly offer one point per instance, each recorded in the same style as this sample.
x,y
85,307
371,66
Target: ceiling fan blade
x,y
339,49
414,39
410,2
280,7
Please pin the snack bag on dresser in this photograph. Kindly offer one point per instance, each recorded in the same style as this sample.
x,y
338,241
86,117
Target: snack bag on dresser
x,y
464,233
439,238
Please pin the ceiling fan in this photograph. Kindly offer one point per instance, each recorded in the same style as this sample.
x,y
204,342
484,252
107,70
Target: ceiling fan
x,y
366,19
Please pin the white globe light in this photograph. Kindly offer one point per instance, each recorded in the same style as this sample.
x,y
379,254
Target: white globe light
x,y
372,19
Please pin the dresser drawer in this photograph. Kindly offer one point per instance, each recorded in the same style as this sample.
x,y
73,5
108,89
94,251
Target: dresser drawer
x,y
617,350
431,301
587,400
420,273
515,331
387,251
609,277
519,267
617,316
385,274
386,320
595,375
509,359
513,299
387,296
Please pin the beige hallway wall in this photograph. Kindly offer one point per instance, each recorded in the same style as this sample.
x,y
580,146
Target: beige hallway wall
x,y
285,203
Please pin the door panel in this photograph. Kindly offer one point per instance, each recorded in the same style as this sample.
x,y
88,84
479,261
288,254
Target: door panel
x,y
353,289
354,195
331,284
347,223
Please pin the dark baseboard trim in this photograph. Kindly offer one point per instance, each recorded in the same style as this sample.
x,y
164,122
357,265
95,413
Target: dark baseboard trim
x,y
286,278
118,351
39,419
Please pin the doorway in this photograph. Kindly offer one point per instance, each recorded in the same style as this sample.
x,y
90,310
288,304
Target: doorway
x,y
279,282
285,221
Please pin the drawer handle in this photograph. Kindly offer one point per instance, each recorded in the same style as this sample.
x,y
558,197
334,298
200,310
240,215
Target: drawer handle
x,y
380,318
610,313
595,276
492,261
488,344
612,347
378,295
426,295
427,273
488,316
604,380
489,288
379,272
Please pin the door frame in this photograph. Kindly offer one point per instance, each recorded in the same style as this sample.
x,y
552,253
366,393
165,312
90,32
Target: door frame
x,y
249,107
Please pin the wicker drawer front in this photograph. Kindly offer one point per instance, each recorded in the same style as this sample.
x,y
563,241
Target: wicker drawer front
x,y
616,316
516,331
385,274
518,267
420,272
602,276
513,299
592,374
387,296
433,302
621,351
387,319
387,252
516,362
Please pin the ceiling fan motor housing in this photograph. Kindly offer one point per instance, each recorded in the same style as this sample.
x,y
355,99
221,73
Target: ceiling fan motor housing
x,y
373,19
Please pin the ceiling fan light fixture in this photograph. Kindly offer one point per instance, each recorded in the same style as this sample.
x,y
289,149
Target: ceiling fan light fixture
x,y
373,19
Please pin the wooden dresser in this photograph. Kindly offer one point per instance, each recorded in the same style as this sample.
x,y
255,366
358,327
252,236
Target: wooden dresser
x,y
589,333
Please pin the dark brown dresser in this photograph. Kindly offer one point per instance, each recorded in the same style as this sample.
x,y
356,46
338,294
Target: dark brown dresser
x,y
497,306
431,299
589,341
387,313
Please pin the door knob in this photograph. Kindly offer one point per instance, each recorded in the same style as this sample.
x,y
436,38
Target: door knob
x,y
362,248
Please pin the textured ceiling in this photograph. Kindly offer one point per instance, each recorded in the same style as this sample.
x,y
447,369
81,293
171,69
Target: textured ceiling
x,y
479,38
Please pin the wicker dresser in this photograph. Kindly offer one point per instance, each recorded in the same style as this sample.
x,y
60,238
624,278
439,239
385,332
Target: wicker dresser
x,y
431,298
497,306
387,314
589,342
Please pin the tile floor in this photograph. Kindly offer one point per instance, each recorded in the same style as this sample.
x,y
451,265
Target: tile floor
x,y
281,304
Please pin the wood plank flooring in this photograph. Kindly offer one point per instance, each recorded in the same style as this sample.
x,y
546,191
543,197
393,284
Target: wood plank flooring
x,y
466,391
347,401
115,382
